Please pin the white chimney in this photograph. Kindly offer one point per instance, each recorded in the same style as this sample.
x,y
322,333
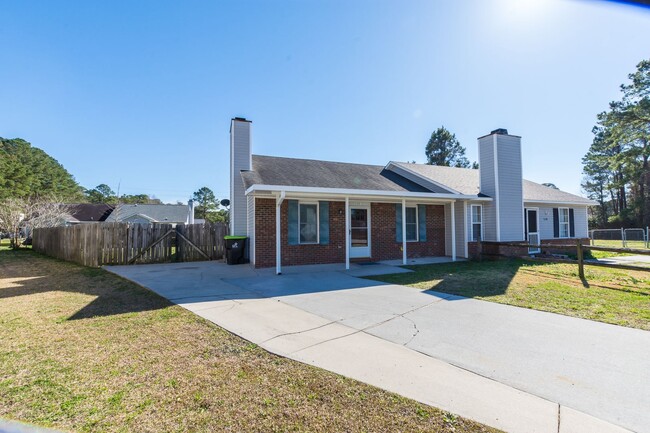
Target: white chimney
x,y
501,178
190,205
240,159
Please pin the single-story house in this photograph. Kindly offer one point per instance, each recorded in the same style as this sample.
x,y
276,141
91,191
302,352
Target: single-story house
x,y
300,211
154,213
85,213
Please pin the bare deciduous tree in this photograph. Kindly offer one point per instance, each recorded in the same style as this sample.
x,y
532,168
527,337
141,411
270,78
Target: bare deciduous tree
x,y
18,214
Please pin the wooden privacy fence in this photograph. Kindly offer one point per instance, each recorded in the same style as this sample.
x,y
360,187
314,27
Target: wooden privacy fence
x,y
100,244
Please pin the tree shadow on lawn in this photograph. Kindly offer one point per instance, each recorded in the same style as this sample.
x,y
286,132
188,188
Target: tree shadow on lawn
x,y
25,273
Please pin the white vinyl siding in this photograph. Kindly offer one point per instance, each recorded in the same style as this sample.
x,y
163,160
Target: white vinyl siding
x,y
461,225
240,154
501,179
308,223
511,210
477,223
545,218
488,186
412,228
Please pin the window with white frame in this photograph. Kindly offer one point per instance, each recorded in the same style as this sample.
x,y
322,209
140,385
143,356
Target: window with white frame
x,y
563,215
411,224
308,223
477,222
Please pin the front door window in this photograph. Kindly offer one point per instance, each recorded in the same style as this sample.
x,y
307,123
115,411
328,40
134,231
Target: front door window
x,y
359,231
359,227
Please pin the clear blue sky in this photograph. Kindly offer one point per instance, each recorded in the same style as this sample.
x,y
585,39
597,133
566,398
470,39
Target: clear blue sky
x,y
141,93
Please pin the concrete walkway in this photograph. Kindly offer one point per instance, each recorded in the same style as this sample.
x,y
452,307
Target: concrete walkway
x,y
636,260
515,369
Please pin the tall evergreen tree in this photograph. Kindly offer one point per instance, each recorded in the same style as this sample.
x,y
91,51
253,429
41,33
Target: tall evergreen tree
x,y
27,171
618,160
444,149
206,204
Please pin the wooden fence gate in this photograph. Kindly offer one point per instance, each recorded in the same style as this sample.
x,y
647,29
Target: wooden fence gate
x,y
100,244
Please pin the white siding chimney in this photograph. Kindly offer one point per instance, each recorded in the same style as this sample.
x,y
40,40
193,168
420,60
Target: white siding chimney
x,y
240,159
501,178
190,218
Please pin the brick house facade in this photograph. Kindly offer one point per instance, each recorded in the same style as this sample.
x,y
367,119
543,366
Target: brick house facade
x,y
383,239
308,211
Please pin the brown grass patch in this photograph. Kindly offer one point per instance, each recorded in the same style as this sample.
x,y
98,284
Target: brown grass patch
x,y
84,350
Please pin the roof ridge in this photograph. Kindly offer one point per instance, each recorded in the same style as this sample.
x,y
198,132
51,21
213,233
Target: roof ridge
x,y
319,160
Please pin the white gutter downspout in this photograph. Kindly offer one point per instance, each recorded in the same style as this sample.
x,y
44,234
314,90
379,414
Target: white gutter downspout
x,y
278,233
347,233
453,231
403,231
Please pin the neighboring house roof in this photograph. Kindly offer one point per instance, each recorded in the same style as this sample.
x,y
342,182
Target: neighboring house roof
x,y
269,170
88,212
164,213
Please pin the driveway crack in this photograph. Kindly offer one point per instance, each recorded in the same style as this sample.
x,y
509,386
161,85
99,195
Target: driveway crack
x,y
415,327
402,315
299,332
328,340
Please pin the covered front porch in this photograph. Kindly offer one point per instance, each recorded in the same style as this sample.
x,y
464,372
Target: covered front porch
x,y
309,227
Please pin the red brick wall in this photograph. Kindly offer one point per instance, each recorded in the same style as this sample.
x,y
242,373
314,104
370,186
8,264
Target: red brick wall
x,y
334,252
264,232
384,245
497,249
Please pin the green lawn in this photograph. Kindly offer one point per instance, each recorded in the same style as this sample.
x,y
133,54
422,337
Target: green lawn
x,y
84,350
4,244
613,296
638,245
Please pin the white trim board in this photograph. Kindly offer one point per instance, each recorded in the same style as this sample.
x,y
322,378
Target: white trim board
x,y
362,193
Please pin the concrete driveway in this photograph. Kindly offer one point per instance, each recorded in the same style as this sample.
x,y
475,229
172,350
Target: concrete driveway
x,y
512,368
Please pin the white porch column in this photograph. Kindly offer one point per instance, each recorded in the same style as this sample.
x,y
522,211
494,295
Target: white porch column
x,y
453,231
403,231
465,230
278,233
347,233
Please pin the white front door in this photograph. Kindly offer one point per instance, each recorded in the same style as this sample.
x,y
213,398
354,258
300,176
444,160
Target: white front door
x,y
359,231
532,230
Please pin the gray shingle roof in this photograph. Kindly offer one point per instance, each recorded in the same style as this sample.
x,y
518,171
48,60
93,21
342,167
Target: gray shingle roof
x,y
466,181
164,213
272,170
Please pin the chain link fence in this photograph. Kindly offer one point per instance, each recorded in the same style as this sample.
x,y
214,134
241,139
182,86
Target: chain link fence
x,y
625,238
